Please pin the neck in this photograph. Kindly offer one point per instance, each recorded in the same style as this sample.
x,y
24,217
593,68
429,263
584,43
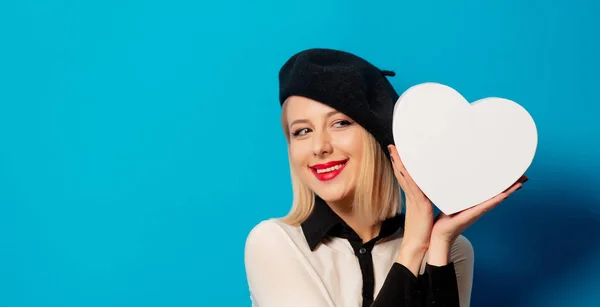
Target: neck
x,y
365,231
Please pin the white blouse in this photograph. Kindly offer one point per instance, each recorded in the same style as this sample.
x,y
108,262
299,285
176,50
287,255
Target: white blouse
x,y
282,271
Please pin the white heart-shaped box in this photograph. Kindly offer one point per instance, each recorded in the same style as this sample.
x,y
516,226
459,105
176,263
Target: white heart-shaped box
x,y
461,154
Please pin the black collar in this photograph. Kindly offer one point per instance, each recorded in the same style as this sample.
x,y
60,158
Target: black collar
x,y
324,222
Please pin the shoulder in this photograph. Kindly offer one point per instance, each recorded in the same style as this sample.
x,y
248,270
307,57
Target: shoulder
x,y
272,234
274,244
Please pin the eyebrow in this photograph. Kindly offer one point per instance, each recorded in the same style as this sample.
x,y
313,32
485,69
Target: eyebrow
x,y
298,121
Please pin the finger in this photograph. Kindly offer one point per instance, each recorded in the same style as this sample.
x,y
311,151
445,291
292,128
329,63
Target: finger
x,y
399,163
491,203
397,170
396,160
523,179
401,173
474,213
410,183
513,188
470,215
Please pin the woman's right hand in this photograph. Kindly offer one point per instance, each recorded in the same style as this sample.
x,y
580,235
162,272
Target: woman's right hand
x,y
419,217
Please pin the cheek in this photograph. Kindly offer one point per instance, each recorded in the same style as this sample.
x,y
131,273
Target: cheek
x,y
299,155
350,143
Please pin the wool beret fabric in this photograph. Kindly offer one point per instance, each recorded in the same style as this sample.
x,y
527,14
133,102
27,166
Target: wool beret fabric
x,y
345,82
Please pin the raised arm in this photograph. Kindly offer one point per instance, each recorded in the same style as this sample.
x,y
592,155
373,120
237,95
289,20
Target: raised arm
x,y
439,284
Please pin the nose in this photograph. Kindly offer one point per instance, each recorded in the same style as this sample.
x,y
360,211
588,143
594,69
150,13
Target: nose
x,y
322,144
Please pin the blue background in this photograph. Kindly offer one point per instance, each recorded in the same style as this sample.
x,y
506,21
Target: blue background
x,y
140,140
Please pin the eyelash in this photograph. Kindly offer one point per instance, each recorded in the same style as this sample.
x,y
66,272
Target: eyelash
x,y
297,132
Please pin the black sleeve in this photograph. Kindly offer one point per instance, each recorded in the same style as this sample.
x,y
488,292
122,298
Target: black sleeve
x,y
401,288
436,287
440,286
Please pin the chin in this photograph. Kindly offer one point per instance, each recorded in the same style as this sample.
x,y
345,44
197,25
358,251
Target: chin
x,y
332,193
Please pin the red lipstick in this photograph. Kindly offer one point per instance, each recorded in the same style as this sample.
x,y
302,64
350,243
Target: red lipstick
x,y
335,168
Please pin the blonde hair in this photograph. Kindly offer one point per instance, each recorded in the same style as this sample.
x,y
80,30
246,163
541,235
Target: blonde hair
x,y
377,193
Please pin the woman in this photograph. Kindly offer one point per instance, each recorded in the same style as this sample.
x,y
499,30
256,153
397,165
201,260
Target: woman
x,y
345,241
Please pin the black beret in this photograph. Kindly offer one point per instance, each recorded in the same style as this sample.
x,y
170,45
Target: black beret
x,y
345,82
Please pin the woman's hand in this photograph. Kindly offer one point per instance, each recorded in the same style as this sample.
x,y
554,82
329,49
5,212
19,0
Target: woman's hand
x,y
418,217
448,227
419,210
421,231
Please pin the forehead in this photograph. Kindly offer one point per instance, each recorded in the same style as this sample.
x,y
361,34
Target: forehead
x,y
302,107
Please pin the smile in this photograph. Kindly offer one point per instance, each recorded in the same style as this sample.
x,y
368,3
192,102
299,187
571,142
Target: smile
x,y
328,170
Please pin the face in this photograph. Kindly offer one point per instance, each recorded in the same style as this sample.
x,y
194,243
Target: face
x,y
325,148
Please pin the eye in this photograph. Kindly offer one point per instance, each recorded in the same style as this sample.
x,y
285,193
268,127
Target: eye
x,y
343,123
300,131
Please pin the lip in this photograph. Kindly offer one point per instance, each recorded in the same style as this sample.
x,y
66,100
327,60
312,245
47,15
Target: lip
x,y
329,175
328,164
